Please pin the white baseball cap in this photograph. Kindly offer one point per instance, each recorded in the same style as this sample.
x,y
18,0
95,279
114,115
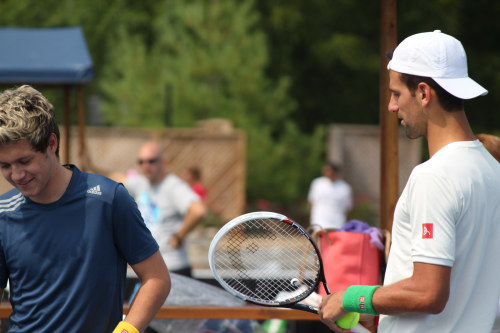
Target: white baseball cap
x,y
440,57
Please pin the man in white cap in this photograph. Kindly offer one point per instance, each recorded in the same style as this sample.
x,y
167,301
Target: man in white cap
x,y
443,269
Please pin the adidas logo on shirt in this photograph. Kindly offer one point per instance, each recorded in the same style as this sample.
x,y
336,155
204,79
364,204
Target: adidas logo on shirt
x,y
95,190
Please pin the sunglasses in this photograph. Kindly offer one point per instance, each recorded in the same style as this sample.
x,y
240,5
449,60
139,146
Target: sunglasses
x,y
148,161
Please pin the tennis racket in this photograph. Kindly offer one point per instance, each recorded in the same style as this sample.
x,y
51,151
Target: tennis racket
x,y
268,259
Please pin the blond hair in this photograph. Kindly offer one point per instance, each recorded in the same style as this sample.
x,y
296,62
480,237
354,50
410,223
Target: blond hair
x,y
25,114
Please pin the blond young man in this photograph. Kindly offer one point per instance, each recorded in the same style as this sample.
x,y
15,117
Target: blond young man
x,y
66,236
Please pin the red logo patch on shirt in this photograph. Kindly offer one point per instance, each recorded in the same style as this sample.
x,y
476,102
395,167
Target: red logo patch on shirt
x,y
427,232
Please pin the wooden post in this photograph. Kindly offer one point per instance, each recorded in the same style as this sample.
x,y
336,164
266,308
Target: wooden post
x,y
81,121
389,187
67,123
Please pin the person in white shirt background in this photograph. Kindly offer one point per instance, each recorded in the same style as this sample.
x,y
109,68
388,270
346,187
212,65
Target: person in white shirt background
x,y
330,199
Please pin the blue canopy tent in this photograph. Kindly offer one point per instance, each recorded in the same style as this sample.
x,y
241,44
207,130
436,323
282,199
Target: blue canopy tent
x,y
48,57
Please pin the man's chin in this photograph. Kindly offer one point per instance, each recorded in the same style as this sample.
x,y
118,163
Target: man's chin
x,y
26,191
411,135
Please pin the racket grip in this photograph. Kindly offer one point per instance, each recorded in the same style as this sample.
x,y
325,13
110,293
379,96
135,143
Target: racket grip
x,y
360,329
311,305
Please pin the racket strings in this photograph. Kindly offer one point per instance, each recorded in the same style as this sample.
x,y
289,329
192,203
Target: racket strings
x,y
267,261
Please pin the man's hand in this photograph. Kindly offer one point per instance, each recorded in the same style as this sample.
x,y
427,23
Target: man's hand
x,y
175,241
331,309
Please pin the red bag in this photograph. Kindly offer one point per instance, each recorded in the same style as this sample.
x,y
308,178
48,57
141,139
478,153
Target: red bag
x,y
349,258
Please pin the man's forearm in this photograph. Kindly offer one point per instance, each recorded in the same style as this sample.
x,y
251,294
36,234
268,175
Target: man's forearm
x,y
427,291
155,287
196,212
149,299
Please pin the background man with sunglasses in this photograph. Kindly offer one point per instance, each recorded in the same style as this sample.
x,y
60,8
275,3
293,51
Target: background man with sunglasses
x,y
168,205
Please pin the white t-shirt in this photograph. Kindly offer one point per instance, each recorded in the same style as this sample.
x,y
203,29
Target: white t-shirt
x,y
449,214
163,207
330,202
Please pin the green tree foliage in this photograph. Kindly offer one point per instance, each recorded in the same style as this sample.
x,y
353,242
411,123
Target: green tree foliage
x,y
131,83
207,60
330,49
280,70
291,167
177,62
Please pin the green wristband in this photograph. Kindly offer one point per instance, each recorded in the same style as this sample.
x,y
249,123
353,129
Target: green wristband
x,y
359,299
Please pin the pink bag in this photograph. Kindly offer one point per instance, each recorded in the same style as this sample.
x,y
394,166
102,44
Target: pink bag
x,y
349,258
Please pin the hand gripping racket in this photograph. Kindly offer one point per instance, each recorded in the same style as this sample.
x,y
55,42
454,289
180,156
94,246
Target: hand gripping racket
x,y
268,259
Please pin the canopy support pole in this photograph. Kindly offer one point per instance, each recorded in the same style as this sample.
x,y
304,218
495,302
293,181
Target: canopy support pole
x,y
389,184
67,123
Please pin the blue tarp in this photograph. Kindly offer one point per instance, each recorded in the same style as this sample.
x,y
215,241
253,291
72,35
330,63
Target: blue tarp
x,y
44,56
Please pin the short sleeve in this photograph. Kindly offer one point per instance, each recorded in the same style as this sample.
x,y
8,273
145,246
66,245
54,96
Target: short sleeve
x,y
433,212
182,196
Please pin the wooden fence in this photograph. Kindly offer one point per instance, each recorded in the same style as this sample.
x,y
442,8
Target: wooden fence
x,y
215,147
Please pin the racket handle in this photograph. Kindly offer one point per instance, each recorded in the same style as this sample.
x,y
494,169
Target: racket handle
x,y
311,304
360,329
304,307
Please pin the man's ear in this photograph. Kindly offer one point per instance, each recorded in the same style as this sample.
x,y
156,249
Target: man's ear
x,y
424,93
53,143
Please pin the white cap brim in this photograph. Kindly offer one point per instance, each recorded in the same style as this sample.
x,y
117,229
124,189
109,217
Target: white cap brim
x,y
464,88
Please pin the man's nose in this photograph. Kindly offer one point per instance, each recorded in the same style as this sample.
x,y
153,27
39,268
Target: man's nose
x,y
17,173
393,106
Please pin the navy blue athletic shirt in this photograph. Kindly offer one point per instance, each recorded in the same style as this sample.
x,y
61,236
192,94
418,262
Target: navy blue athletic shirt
x,y
66,261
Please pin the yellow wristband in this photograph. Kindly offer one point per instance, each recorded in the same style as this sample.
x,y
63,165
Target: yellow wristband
x,y
124,327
